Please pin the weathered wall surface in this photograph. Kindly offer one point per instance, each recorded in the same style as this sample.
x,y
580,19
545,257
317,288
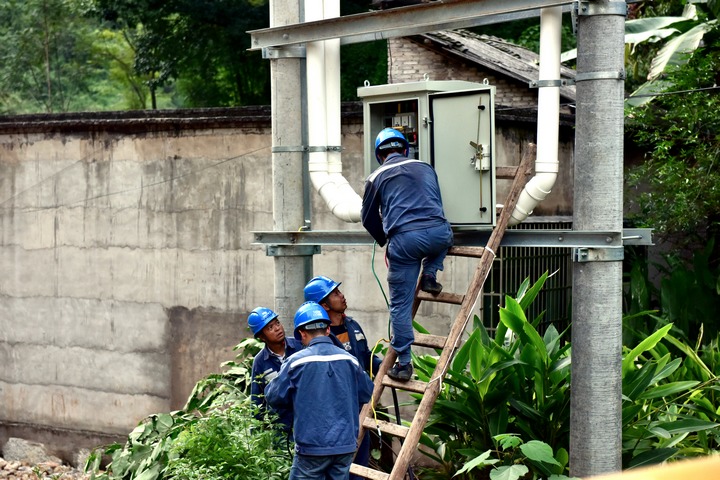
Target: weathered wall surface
x,y
127,268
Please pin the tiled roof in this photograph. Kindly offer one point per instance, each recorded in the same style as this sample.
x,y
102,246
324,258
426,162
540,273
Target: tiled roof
x,y
494,54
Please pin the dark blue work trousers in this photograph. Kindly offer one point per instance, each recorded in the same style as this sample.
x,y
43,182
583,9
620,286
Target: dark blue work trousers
x,y
407,253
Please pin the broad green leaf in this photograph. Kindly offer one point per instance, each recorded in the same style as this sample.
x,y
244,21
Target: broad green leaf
x,y
528,297
635,382
665,369
652,457
538,451
667,389
691,354
687,425
677,51
479,461
650,24
507,440
645,345
512,472
660,432
498,420
150,474
653,35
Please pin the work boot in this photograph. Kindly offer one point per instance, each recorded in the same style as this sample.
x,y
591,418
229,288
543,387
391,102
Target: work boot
x,y
430,285
401,373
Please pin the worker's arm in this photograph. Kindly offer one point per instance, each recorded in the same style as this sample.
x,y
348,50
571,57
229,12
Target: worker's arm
x,y
370,214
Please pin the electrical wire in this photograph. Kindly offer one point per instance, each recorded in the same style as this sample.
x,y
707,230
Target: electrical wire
x,y
660,94
120,192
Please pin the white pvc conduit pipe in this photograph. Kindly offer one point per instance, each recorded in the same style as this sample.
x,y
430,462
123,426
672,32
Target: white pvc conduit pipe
x,y
324,124
548,123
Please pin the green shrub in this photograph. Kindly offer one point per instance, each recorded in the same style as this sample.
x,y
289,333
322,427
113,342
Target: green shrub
x,y
519,389
215,436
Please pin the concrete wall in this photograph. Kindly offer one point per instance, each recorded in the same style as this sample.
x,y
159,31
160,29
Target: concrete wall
x,y
127,264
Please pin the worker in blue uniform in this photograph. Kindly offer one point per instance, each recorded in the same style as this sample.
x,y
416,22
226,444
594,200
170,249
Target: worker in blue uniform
x,y
266,327
324,386
402,207
326,292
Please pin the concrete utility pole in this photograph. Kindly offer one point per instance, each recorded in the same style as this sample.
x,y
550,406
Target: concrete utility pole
x,y
595,418
292,266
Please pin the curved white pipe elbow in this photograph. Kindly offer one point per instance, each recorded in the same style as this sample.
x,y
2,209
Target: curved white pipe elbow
x,y
323,85
548,124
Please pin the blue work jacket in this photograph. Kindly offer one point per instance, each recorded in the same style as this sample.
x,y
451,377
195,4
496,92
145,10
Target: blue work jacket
x,y
324,386
265,367
359,347
402,195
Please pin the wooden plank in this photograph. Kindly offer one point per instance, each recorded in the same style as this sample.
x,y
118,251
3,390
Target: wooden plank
x,y
365,472
386,427
441,297
410,386
508,173
430,341
474,252
458,327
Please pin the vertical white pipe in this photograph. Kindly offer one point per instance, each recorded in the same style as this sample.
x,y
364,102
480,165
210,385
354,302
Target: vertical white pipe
x,y
548,123
317,115
323,78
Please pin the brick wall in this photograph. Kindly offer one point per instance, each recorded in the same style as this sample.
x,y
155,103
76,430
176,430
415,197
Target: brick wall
x,y
409,62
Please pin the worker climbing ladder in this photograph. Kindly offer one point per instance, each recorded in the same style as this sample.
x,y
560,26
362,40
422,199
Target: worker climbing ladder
x,y
410,436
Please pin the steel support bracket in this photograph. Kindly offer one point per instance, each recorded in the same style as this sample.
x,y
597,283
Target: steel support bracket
x,y
288,51
609,254
292,250
586,8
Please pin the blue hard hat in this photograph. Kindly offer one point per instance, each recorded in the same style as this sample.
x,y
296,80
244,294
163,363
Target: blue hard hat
x,y
260,317
390,138
318,288
309,314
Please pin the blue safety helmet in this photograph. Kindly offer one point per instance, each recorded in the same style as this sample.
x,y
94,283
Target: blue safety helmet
x,y
390,138
310,316
318,288
260,317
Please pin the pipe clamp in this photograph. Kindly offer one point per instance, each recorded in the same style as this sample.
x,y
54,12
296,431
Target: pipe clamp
x,y
550,83
325,149
291,250
582,77
590,8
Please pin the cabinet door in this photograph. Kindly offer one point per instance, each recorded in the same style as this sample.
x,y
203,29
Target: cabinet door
x,y
462,146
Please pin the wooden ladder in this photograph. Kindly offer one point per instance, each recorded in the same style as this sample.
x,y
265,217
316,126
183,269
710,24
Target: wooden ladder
x,y
410,436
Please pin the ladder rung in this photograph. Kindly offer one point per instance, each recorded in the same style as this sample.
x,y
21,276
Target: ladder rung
x,y
475,252
411,385
366,472
431,341
441,297
508,173
386,427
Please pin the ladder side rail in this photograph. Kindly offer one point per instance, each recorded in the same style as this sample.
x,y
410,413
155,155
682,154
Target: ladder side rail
x,y
433,388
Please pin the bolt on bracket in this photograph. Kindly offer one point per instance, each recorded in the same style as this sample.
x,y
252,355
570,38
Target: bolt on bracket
x,y
609,254
292,250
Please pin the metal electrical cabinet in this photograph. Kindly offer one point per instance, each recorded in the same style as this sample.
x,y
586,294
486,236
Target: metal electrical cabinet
x,y
450,125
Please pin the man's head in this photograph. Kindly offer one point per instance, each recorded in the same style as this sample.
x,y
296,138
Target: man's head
x,y
311,320
326,292
390,141
266,327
